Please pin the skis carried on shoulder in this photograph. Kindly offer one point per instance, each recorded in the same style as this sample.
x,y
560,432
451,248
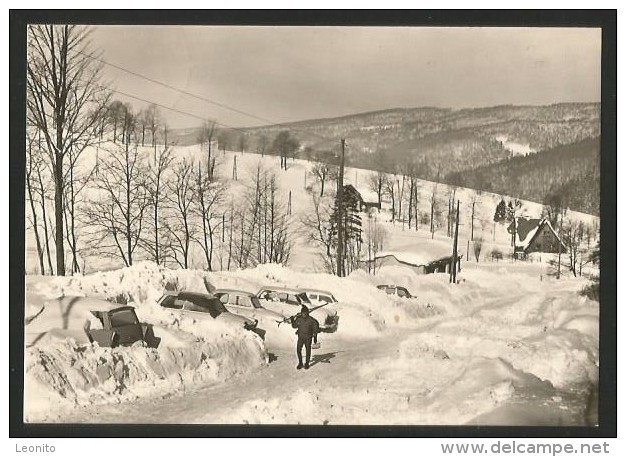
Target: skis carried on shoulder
x,y
288,319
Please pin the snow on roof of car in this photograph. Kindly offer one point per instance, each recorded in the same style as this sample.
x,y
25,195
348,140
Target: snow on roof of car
x,y
282,289
69,312
233,291
318,291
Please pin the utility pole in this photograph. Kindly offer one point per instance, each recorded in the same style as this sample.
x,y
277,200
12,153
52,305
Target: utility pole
x,y
234,168
340,234
223,226
558,271
289,205
455,246
473,205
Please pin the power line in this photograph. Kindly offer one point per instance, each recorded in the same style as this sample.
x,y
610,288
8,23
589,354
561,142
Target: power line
x,y
176,110
199,97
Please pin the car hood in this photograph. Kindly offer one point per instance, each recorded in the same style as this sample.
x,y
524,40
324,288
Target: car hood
x,y
234,319
256,313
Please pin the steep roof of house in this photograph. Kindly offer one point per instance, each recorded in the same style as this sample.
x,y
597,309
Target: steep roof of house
x,y
544,222
526,229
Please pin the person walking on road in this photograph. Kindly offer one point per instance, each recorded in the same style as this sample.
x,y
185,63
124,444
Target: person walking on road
x,y
308,328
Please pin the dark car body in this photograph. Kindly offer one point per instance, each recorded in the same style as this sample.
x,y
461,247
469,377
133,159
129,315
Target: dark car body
x,y
202,306
87,320
121,327
395,290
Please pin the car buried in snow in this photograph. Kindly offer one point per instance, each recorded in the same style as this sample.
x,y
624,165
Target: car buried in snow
x,y
206,306
248,305
399,291
88,320
321,296
289,301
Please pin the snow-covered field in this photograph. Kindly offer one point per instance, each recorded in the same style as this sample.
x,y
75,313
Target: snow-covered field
x,y
508,344
515,148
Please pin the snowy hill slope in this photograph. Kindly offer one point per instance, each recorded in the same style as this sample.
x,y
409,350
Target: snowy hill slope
x,y
507,333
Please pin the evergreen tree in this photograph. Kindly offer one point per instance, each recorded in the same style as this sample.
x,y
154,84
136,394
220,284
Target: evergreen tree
x,y
500,214
352,227
510,212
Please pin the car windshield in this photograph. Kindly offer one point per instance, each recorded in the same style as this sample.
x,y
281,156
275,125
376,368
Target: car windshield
x,y
256,302
123,317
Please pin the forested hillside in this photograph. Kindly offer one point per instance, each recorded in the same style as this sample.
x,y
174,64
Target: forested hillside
x,y
482,148
570,171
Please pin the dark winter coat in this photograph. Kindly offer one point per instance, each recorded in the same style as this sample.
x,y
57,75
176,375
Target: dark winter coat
x,y
307,326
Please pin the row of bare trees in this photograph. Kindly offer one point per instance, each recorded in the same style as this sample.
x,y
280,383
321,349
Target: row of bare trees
x,y
69,112
66,106
153,204
125,122
126,203
260,226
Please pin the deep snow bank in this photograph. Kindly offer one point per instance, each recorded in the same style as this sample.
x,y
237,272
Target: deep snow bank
x,y
63,374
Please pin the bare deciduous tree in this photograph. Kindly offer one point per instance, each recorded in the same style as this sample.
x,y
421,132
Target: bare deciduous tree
x,y
153,121
209,194
115,116
321,171
76,181
316,226
142,125
285,145
206,137
376,184
64,101
478,247
33,163
375,238
115,218
262,144
262,224
180,198
154,242
389,186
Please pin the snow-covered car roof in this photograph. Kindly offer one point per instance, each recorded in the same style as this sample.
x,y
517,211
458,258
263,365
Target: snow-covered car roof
x,y
318,291
189,293
69,312
282,289
233,291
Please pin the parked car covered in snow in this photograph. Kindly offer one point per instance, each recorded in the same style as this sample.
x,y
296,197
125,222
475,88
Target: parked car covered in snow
x,y
288,301
248,305
395,290
321,296
205,306
88,320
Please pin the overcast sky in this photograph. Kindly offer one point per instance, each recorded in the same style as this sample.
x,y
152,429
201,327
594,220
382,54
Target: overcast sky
x,y
294,73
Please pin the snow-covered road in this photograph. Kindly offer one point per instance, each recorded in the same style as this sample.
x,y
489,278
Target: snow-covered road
x,y
504,347
350,383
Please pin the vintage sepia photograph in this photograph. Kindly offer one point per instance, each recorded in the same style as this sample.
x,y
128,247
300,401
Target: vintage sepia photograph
x,y
312,225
